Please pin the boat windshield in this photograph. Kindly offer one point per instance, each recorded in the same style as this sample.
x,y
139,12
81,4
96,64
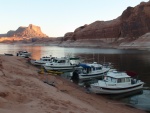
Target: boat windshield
x,y
98,68
110,79
61,61
122,80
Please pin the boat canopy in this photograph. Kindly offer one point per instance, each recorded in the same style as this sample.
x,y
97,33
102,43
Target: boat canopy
x,y
84,65
74,58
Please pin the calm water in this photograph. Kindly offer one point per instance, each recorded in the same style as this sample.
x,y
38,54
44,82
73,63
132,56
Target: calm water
x,y
123,60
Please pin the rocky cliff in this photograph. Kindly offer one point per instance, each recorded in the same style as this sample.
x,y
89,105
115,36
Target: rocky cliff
x,y
31,31
133,23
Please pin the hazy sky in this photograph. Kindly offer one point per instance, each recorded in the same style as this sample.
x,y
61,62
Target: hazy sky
x,y
57,17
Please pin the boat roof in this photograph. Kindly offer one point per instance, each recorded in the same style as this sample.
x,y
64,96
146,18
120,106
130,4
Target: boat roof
x,y
47,57
68,58
74,58
116,74
62,58
88,65
23,51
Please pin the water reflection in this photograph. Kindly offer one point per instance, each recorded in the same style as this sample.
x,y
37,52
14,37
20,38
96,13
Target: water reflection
x,y
139,101
36,52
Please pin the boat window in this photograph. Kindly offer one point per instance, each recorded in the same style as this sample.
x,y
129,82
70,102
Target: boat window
x,y
61,61
55,60
93,68
110,79
127,79
84,71
98,68
121,80
88,70
113,80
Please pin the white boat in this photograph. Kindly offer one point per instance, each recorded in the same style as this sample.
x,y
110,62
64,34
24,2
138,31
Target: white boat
x,y
42,61
88,71
115,83
61,64
23,53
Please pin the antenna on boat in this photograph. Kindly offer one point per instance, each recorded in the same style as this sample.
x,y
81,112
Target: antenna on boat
x,y
98,57
93,57
104,59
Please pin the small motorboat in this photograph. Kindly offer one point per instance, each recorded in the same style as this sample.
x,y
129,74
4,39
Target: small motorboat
x,y
89,71
24,54
42,61
63,63
8,54
115,82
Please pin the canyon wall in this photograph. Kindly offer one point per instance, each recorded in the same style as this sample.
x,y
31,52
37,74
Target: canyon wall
x,y
133,23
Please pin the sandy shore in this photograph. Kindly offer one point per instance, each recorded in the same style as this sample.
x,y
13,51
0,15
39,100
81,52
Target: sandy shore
x,y
22,90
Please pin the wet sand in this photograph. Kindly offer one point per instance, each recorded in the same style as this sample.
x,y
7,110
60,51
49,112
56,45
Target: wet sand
x,y
22,90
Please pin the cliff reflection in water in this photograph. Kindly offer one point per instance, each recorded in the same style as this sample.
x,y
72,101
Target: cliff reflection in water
x,y
36,52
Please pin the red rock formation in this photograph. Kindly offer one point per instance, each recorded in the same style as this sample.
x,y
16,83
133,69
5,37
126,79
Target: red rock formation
x,y
68,36
133,22
30,32
98,29
136,21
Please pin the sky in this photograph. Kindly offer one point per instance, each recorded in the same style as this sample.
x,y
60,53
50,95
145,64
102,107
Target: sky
x,y
57,17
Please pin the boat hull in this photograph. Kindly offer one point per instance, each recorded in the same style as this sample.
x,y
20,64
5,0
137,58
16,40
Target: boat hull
x,y
117,90
59,67
94,74
34,62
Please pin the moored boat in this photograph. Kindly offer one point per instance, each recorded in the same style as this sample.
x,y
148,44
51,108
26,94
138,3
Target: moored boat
x,y
63,63
8,54
115,83
42,61
24,54
89,70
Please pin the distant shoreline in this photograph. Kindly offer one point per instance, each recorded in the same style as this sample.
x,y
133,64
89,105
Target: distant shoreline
x,y
81,46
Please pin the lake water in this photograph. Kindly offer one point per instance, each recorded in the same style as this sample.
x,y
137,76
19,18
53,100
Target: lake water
x,y
122,60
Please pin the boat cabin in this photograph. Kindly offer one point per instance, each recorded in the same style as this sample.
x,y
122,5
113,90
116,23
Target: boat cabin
x,y
47,58
61,61
117,77
65,60
115,82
